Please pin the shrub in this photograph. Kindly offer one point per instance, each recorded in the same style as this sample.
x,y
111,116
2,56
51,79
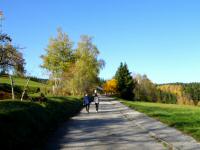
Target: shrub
x,y
5,95
40,98
25,125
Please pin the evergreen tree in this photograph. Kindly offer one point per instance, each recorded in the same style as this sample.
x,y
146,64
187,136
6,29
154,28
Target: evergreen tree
x,y
125,83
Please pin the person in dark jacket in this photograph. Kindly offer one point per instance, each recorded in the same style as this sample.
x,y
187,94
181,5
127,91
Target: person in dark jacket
x,y
86,102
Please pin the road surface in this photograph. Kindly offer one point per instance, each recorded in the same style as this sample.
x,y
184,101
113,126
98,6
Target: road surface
x,y
108,129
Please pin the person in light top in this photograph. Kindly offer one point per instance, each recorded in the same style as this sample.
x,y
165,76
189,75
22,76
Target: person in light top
x,y
96,101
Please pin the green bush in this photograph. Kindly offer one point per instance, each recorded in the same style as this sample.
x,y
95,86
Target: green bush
x,y
25,125
7,88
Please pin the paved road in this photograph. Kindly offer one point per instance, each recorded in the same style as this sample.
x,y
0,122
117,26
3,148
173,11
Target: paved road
x,y
106,130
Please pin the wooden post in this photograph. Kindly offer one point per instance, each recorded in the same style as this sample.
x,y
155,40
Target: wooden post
x,y
12,87
25,89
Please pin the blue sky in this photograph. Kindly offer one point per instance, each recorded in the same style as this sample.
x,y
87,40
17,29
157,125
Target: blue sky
x,y
160,38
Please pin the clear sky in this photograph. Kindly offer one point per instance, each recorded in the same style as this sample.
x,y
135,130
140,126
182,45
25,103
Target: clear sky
x,y
160,38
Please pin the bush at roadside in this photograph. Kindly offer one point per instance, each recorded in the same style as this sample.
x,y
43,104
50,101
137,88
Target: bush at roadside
x,y
25,125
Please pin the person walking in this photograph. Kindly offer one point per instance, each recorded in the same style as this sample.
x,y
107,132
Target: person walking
x,y
86,102
96,101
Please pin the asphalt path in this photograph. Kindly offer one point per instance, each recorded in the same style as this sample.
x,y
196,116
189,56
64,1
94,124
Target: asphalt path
x,y
108,129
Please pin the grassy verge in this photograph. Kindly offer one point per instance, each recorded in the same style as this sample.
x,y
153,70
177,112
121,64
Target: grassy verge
x,y
25,125
184,118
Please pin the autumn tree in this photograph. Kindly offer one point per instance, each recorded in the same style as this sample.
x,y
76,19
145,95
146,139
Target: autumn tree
x,y
176,89
110,86
74,71
125,83
86,67
145,90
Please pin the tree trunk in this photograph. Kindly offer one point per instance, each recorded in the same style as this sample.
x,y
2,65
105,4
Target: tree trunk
x,y
12,87
25,89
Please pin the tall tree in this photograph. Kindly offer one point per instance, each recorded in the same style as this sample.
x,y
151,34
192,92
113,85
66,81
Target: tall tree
x,y
59,56
76,70
87,66
145,90
125,83
10,59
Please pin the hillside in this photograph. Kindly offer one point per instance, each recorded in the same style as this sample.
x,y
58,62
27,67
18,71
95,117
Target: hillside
x,y
19,83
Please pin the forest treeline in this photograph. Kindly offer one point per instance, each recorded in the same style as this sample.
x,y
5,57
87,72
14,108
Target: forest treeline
x,y
186,93
141,88
138,87
146,90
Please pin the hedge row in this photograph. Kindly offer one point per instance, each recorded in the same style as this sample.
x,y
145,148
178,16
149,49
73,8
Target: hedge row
x,y
25,125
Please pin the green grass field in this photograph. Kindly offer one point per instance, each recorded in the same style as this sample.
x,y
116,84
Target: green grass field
x,y
184,118
21,82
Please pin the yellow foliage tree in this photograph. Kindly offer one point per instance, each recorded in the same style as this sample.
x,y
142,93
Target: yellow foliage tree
x,y
110,86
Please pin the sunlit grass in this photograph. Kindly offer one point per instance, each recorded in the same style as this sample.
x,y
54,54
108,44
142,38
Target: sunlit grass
x,y
21,82
184,118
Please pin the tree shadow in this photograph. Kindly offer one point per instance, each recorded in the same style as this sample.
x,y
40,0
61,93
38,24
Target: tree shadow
x,y
80,133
